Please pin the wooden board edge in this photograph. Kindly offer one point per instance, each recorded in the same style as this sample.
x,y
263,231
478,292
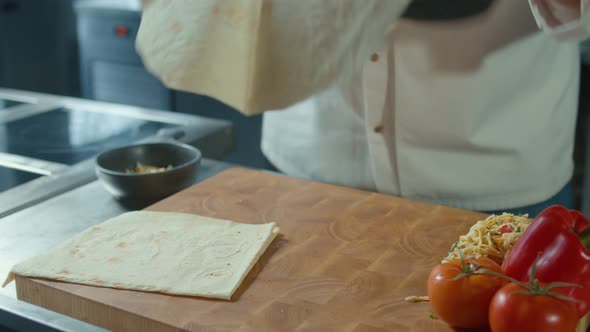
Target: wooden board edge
x,y
251,171
29,290
222,173
229,170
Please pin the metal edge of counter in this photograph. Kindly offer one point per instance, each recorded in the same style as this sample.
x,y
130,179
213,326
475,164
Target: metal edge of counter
x,y
213,144
21,316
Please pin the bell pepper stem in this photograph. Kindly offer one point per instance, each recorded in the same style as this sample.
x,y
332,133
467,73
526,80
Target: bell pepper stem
x,y
585,237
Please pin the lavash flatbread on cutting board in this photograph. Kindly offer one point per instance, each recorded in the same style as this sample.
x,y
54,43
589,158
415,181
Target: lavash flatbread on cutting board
x,y
174,253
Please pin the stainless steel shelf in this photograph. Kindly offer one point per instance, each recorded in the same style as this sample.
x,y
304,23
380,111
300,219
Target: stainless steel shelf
x,y
62,172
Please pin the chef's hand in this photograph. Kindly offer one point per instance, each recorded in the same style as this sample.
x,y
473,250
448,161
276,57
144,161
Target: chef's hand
x,y
569,3
558,12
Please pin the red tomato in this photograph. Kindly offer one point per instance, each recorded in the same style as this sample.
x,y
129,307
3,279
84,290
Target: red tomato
x,y
505,229
510,311
463,302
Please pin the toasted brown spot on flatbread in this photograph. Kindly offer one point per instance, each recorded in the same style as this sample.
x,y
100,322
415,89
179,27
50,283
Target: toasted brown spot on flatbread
x,y
96,228
64,272
115,260
97,280
121,245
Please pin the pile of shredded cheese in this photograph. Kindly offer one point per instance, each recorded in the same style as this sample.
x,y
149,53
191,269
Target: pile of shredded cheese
x,y
491,238
143,169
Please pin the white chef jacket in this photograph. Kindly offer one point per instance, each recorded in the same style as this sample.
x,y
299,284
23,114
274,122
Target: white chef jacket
x,y
477,113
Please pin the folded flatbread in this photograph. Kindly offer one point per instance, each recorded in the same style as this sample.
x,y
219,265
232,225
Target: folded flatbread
x,y
260,55
164,252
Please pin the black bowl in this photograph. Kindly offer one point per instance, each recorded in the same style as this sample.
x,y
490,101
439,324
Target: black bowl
x,y
111,167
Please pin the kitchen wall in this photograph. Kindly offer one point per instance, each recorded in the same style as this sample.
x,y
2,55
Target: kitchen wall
x,y
38,46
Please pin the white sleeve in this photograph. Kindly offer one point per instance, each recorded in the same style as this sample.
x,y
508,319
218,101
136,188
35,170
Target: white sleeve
x,y
563,19
257,55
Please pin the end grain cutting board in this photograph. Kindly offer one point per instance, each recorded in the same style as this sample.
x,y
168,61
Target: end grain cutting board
x,y
344,261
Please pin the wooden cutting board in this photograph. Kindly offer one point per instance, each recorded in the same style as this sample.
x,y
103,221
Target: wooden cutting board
x,y
344,261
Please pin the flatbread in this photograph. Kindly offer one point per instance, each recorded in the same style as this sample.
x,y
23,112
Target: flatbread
x,y
174,253
259,55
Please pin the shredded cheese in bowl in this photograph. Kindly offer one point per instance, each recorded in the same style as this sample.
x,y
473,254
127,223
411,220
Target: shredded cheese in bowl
x,y
145,169
491,237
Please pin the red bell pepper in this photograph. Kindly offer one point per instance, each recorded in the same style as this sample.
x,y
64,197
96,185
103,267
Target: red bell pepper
x,y
559,238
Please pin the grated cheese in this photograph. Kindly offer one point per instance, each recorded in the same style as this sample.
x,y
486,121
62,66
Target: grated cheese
x,y
415,298
487,239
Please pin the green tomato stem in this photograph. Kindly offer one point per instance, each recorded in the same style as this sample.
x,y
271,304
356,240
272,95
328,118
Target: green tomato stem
x,y
585,237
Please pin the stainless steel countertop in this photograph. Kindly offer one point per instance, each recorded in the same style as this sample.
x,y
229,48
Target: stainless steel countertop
x,y
43,226
214,137
22,316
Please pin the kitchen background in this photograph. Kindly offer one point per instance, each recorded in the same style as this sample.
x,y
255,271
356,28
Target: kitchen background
x,y
85,48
